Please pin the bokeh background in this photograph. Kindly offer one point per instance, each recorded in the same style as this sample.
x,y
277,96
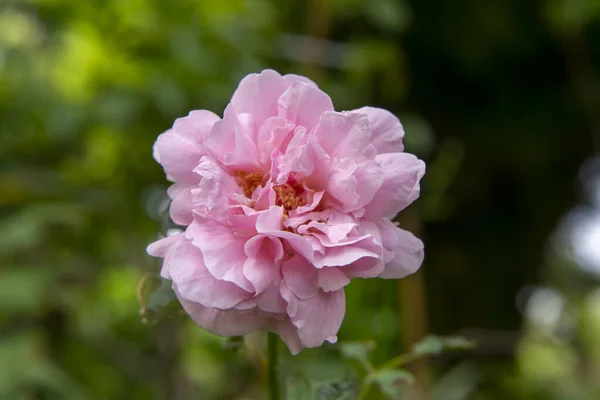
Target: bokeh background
x,y
501,98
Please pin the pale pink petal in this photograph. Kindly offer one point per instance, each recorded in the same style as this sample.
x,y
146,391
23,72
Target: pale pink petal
x,y
303,104
343,135
319,318
291,78
369,179
262,265
269,223
257,94
331,279
224,323
270,300
196,125
300,276
162,246
303,155
342,184
178,156
274,134
246,304
195,283
182,205
223,252
289,334
270,220
180,148
230,142
340,256
366,267
408,256
386,130
401,175
211,196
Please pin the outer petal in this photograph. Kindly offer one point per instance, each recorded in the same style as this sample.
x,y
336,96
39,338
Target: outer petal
x,y
257,94
224,323
318,318
386,130
179,149
223,252
303,104
408,252
289,334
401,175
196,284
181,205
196,126
162,248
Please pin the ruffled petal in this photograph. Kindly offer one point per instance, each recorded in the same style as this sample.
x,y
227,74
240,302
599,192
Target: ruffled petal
x,y
318,318
303,104
262,265
331,279
300,276
386,130
180,148
343,135
211,196
408,252
401,175
223,252
257,94
224,322
196,284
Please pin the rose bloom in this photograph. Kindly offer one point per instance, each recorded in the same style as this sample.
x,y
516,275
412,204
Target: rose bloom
x,y
284,201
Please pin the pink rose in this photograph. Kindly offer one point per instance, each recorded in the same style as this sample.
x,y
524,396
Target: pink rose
x,y
284,201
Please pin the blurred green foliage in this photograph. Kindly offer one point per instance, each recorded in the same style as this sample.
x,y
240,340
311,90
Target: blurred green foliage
x,y
498,97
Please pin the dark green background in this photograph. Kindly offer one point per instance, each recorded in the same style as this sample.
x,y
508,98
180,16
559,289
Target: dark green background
x,y
501,98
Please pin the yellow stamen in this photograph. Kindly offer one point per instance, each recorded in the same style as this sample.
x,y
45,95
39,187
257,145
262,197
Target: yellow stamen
x,y
287,197
249,181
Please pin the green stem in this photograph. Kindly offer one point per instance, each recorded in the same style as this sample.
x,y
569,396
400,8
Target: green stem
x,y
273,366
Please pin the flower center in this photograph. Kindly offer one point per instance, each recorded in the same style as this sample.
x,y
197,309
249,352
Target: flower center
x,y
288,196
249,181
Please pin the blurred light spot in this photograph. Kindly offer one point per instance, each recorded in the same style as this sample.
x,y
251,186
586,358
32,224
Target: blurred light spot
x,y
545,307
19,30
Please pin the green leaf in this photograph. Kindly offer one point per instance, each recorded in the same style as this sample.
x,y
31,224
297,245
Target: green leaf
x,y
392,381
357,351
430,345
458,343
298,387
435,345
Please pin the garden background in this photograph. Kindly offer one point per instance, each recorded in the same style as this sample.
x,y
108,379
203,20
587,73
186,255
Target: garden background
x,y
501,98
